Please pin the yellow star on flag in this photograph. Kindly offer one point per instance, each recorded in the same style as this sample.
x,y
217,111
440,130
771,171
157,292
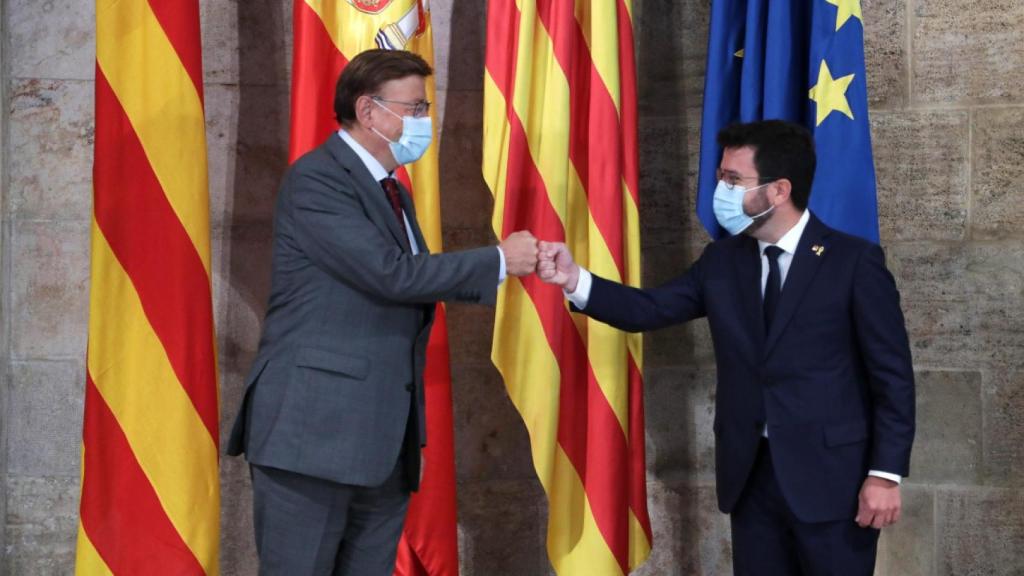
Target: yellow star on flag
x,y
830,93
847,9
739,53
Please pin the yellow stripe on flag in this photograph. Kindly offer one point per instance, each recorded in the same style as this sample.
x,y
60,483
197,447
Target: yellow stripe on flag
x,y
575,543
639,545
170,442
599,22
174,138
532,375
87,560
606,346
541,102
497,133
589,533
633,272
353,32
424,173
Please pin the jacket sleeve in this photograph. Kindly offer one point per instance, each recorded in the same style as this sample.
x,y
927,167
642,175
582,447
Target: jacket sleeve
x,y
639,310
331,226
885,351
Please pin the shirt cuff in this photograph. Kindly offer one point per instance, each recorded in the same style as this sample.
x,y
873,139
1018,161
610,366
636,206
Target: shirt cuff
x,y
581,295
502,272
888,476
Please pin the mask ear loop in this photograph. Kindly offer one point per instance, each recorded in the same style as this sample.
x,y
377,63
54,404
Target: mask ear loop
x,y
389,110
375,131
770,208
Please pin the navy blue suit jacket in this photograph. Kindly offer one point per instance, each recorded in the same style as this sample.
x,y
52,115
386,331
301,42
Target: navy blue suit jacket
x,y
832,379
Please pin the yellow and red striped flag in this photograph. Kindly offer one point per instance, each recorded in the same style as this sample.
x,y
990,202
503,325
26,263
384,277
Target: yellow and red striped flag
x,y
328,33
560,156
150,500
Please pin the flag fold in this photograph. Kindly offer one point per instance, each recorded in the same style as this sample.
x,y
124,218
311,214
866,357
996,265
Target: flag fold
x,y
150,499
560,157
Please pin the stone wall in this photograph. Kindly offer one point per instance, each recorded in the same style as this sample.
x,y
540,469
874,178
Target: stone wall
x,y
945,78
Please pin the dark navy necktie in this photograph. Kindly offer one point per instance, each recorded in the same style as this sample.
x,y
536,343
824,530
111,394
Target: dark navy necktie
x,y
773,288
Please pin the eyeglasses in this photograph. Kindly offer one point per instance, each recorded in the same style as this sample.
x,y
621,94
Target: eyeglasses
x,y
419,108
732,179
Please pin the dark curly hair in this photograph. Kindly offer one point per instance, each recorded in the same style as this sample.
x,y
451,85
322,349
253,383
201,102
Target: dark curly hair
x,y
781,150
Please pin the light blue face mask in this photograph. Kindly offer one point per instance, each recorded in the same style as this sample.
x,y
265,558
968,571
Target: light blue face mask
x,y
415,139
728,207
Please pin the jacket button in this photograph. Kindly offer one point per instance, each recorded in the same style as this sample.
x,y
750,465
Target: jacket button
x,y
410,387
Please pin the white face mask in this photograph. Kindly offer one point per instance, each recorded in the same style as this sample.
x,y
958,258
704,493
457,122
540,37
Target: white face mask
x,y
728,206
417,133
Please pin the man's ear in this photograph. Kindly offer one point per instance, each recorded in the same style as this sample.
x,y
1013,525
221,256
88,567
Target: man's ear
x,y
783,189
364,105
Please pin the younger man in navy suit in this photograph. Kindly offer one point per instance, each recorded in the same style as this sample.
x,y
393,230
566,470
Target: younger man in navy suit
x,y
815,401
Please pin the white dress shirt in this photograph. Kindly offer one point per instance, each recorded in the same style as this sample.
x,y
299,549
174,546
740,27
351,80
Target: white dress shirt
x,y
788,243
379,173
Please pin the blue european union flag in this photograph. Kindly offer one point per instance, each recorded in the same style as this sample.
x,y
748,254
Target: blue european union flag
x,y
803,61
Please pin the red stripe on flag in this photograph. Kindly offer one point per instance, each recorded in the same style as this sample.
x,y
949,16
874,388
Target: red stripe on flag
x,y
431,527
588,430
180,21
637,461
156,252
407,560
120,511
593,113
593,438
316,64
595,140
502,44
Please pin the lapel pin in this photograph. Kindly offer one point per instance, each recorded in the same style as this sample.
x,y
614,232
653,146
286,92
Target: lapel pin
x,y
818,249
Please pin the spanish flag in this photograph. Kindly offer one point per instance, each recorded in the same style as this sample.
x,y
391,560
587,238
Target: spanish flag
x,y
560,156
328,33
150,498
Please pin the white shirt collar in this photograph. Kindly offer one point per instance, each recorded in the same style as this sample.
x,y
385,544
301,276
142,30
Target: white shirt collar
x,y
372,164
790,240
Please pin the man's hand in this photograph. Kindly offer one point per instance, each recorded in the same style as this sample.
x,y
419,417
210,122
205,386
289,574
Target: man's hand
x,y
520,249
557,267
880,504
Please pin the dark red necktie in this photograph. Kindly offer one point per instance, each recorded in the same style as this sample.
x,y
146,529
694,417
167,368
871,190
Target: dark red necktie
x,y
391,188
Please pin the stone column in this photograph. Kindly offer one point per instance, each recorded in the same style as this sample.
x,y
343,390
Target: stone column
x,y
4,324
48,127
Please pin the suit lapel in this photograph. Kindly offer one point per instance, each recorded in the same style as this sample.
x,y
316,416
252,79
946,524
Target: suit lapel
x,y
371,191
805,264
410,210
748,271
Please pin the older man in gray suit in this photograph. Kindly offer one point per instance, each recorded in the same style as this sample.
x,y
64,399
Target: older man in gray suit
x,y
333,414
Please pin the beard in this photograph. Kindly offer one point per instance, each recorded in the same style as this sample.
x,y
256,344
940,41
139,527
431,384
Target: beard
x,y
761,204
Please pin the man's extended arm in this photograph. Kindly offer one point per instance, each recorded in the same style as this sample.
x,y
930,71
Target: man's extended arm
x,y
332,228
624,307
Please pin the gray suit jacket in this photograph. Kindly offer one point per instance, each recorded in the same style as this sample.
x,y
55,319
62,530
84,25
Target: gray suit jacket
x,y
345,335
